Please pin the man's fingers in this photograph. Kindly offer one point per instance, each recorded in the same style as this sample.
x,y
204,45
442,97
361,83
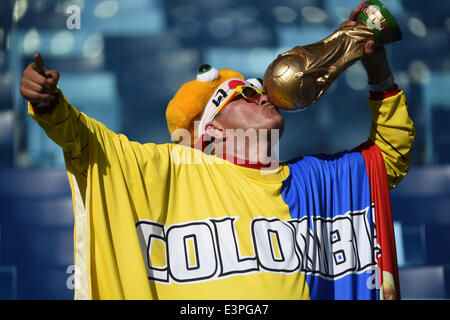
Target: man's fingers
x,y
52,77
29,84
33,75
369,47
37,83
355,12
347,23
35,96
353,15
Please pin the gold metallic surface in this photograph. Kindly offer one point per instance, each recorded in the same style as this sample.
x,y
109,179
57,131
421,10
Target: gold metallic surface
x,y
299,77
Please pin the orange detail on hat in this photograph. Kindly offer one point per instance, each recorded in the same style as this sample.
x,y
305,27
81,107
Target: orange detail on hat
x,y
190,100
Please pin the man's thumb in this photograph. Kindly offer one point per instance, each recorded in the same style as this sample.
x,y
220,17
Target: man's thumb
x,y
39,63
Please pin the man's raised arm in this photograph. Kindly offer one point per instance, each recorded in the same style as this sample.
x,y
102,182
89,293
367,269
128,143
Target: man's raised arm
x,y
63,123
392,130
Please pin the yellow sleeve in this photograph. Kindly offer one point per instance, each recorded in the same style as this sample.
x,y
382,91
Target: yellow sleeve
x,y
393,132
68,128
115,182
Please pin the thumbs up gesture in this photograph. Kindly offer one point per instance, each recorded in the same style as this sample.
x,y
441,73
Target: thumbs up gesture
x,y
38,85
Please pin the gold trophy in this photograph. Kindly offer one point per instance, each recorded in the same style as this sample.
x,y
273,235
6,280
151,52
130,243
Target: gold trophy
x,y
299,77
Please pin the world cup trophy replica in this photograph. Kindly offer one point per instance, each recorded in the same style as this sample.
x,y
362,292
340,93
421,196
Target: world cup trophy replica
x,y
299,77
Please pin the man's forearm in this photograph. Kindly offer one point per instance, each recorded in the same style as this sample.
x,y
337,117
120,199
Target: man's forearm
x,y
66,126
393,131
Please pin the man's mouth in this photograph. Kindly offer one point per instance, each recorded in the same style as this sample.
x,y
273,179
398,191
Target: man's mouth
x,y
272,107
269,105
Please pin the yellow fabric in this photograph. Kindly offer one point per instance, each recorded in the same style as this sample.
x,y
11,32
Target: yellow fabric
x,y
393,132
122,184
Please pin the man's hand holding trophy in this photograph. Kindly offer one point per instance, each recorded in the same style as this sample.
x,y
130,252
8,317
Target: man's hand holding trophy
x,y
299,77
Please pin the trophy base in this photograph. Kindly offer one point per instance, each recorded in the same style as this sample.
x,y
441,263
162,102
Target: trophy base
x,y
381,22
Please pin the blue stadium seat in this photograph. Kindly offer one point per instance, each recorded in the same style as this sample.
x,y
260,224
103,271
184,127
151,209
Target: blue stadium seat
x,y
441,135
8,283
6,127
37,254
427,282
219,23
432,18
33,183
39,247
47,212
36,201
423,196
420,203
289,36
127,18
414,244
162,64
6,137
50,283
395,6
435,113
37,230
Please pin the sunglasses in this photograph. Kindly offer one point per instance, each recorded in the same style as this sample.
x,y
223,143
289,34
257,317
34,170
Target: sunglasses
x,y
247,92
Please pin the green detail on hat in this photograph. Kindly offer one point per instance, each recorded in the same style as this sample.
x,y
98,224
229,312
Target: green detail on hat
x,y
204,68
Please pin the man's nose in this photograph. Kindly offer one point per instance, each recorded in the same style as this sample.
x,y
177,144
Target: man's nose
x,y
264,99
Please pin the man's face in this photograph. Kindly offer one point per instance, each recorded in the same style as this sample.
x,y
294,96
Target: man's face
x,y
244,114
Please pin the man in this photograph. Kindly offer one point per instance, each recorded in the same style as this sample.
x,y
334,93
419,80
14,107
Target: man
x,y
202,222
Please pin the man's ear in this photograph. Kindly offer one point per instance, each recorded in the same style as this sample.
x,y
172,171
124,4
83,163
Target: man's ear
x,y
215,130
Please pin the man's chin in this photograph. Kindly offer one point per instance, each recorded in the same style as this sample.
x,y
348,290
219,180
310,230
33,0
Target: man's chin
x,y
281,128
277,127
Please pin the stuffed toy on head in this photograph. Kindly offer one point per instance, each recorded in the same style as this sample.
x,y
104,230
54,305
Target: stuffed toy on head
x,y
199,99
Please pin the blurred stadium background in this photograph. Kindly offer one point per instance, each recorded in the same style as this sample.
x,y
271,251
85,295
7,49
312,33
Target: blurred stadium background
x,y
127,59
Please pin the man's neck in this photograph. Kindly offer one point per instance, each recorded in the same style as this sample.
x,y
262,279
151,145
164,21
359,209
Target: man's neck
x,y
252,156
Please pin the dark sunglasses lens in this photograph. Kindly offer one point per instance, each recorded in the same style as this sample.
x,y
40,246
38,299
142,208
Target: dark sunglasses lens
x,y
249,92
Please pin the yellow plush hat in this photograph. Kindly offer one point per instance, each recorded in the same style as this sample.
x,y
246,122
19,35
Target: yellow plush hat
x,y
190,100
